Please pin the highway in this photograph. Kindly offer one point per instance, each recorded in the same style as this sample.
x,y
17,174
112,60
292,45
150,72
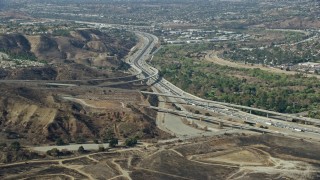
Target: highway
x,y
228,109
213,119
150,75
237,125
224,105
168,90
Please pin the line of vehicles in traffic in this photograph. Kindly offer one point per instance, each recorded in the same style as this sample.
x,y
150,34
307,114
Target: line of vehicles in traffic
x,y
166,87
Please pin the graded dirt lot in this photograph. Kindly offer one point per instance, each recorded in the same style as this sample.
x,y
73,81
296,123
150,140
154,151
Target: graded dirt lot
x,y
236,156
240,157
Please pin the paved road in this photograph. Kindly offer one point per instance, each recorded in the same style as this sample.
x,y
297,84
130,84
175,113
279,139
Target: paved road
x,y
174,125
71,147
228,109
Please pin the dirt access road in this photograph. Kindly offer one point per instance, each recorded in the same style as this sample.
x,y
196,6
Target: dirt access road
x,y
212,56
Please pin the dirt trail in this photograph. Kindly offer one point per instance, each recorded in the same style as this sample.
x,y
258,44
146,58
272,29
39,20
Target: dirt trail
x,y
91,158
47,175
116,177
290,169
66,159
124,172
76,168
177,152
158,172
211,163
212,56
121,165
82,102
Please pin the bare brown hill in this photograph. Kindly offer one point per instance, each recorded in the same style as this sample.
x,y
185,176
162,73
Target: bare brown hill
x,y
36,115
16,43
90,47
65,71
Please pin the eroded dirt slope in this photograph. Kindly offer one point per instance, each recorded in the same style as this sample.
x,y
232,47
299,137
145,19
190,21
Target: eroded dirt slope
x,y
36,115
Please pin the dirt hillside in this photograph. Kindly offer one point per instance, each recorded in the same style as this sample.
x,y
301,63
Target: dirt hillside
x,y
35,115
89,47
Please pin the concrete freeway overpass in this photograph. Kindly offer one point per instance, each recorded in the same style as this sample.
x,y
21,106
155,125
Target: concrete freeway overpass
x,y
213,119
208,102
209,119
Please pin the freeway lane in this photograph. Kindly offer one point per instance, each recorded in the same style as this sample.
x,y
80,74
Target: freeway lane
x,y
222,109
278,131
214,120
149,74
208,102
168,90
167,122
